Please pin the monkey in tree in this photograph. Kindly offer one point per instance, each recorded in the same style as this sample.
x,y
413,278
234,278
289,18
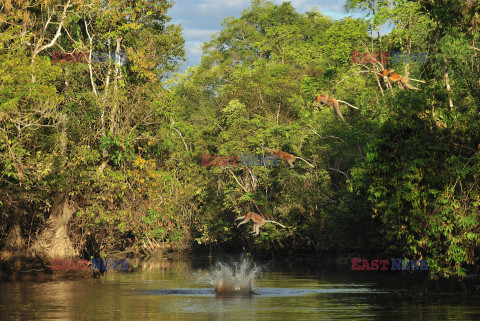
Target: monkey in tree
x,y
329,101
258,221
393,76
288,158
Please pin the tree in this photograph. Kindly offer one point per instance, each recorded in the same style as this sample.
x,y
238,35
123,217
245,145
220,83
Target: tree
x,y
72,120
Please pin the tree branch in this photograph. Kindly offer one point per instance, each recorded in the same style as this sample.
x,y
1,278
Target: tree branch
x,y
341,101
235,177
57,34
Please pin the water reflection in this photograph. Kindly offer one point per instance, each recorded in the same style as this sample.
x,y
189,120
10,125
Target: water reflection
x,y
182,291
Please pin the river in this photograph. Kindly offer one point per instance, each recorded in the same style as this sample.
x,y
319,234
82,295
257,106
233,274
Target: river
x,y
183,291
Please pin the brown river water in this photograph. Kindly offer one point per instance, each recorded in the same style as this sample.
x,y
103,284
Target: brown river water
x,y
184,291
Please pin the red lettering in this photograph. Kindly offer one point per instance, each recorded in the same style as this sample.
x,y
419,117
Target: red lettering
x,y
66,57
368,58
215,161
83,265
73,265
374,265
55,56
234,160
65,265
384,56
56,264
84,57
224,161
361,58
355,56
355,264
77,56
205,158
383,263
365,265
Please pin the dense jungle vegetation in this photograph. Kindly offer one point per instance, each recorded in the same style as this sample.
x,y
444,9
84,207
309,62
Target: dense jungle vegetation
x,y
111,152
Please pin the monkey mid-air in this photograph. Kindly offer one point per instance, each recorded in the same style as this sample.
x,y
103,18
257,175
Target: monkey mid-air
x,y
288,158
257,219
393,76
329,101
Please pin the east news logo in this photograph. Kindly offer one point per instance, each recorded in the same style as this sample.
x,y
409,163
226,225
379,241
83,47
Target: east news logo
x,y
398,264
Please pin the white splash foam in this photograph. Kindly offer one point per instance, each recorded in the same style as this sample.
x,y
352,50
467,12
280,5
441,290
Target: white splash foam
x,y
236,278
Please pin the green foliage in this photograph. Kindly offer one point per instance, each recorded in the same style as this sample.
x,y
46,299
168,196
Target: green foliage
x,y
120,149
416,176
399,178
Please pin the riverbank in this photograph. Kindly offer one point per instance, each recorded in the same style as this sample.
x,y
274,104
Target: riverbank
x,y
17,266
20,267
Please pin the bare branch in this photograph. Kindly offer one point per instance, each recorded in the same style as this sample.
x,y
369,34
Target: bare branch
x,y
57,34
235,177
347,103
90,39
422,81
324,137
337,170
179,134
350,75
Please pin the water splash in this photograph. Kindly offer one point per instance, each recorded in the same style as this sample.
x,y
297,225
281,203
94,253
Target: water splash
x,y
234,279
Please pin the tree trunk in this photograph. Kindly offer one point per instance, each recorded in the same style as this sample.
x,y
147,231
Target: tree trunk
x,y
54,242
14,241
113,113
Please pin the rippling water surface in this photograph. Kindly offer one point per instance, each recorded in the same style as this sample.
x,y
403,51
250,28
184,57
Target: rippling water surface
x,y
184,291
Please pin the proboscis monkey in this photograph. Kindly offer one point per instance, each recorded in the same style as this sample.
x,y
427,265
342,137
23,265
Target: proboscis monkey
x,y
329,101
393,76
288,158
257,219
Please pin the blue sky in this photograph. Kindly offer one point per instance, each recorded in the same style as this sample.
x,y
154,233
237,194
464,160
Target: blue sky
x,y
201,18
